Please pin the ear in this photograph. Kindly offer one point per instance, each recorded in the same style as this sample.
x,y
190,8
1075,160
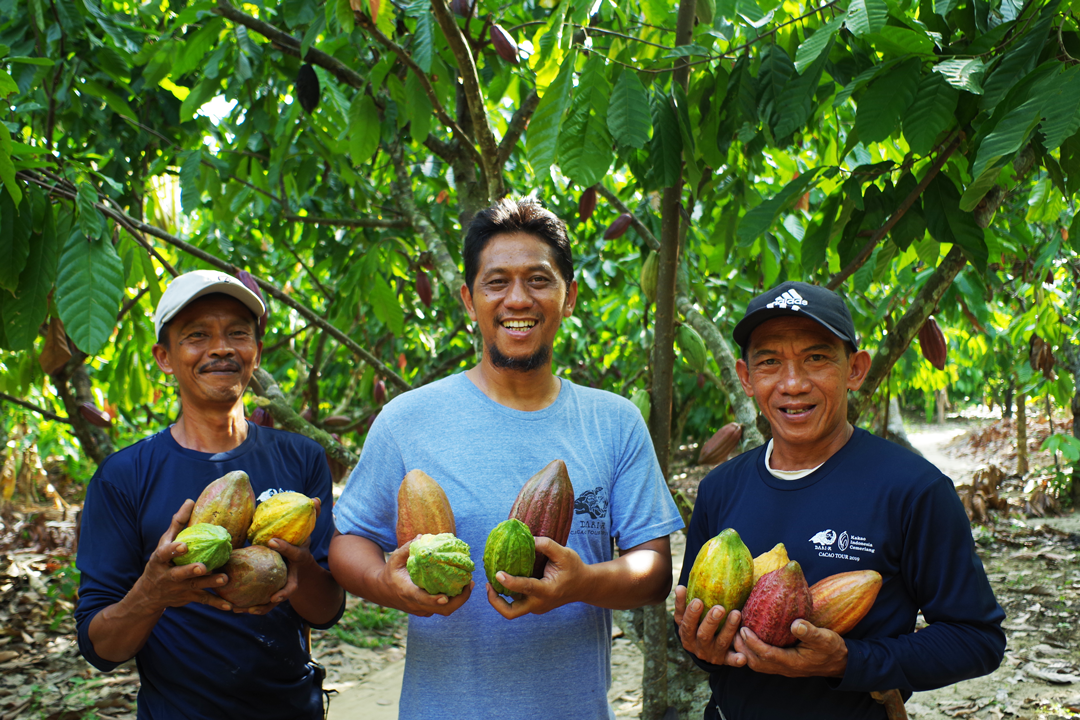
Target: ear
x,y
860,366
743,371
571,299
466,298
161,357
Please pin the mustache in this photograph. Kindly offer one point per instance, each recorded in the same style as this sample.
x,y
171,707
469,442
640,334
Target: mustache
x,y
220,365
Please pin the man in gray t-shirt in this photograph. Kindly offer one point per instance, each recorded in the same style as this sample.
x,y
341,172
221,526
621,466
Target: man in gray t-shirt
x,y
481,434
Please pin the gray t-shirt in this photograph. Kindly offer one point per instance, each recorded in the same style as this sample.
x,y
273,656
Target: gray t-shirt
x,y
475,663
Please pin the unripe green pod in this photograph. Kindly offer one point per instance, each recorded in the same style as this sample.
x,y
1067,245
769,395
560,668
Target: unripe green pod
x,y
705,11
208,544
650,271
723,573
440,564
641,399
692,347
510,547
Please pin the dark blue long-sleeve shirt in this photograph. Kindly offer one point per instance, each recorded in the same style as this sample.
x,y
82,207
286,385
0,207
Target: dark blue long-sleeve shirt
x,y
871,506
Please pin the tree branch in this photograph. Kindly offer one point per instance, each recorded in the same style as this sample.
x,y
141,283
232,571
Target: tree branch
x,y
619,205
517,126
353,223
34,408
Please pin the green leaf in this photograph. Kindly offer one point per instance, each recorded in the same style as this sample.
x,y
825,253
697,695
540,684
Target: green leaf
x,y
815,244
1062,110
814,45
364,129
343,12
866,16
385,304
16,222
420,109
423,45
665,148
928,250
91,223
199,96
881,106
901,41
949,224
584,144
776,70
758,220
24,313
628,116
195,47
931,113
796,102
91,89
7,167
1019,60
150,275
963,74
190,196
7,85
89,288
541,138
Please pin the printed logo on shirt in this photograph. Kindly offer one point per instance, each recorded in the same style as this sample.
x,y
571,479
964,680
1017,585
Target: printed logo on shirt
x,y
846,545
789,300
594,504
267,494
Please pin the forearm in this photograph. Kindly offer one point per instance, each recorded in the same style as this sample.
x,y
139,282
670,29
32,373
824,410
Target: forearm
x,y
356,564
639,576
120,630
318,597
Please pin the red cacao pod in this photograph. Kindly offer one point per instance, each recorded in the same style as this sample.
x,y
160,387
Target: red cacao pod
x,y
723,442
423,508
423,288
251,284
504,44
618,227
933,344
546,504
337,421
261,416
461,7
587,203
778,599
842,600
95,415
228,502
379,393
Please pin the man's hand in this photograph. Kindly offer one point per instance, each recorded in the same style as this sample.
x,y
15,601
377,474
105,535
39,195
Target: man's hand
x,y
564,576
412,599
300,563
819,653
709,639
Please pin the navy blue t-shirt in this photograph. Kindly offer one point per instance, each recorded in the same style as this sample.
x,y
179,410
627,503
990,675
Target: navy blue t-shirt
x,y
199,662
871,506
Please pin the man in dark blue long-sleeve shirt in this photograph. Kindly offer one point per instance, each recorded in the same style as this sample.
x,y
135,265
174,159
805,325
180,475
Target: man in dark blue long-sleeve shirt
x,y
840,499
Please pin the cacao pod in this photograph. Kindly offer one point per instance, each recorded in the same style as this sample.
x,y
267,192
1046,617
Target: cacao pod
x,y
587,203
255,574
723,572
378,393
504,44
692,347
228,502
338,470
705,10
307,88
461,7
723,442
289,516
510,548
95,415
440,564
1041,357
207,544
643,402
779,599
618,227
546,505
840,601
423,288
251,284
650,272
772,560
423,508
933,344
261,416
337,421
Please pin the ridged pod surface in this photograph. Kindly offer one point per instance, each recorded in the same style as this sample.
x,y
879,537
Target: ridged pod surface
x,y
842,600
504,44
779,599
723,572
650,274
255,574
692,347
289,516
229,502
723,442
773,560
933,344
587,203
207,544
510,548
423,508
546,505
440,564
618,227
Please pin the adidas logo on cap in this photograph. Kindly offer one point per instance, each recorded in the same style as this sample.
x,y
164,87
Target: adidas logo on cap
x,y
789,300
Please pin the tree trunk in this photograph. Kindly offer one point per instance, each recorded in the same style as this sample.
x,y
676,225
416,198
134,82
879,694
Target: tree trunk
x,y
942,401
1021,434
1007,404
1076,434
74,388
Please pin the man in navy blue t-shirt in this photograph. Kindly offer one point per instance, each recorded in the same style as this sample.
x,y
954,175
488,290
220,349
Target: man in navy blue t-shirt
x,y
199,657
839,499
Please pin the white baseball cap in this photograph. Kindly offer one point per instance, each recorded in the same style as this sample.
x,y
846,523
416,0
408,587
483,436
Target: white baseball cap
x,y
189,286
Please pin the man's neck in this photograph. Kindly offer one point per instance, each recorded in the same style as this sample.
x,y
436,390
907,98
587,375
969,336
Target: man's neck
x,y
211,431
797,457
528,391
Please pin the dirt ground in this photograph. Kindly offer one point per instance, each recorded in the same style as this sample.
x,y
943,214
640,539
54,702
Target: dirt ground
x,y
1032,564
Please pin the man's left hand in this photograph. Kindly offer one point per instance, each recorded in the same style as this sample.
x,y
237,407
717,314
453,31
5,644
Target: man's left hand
x,y
298,558
564,575
820,653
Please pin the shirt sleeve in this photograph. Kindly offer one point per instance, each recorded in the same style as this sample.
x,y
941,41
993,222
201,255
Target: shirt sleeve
x,y
642,508
368,505
943,573
320,484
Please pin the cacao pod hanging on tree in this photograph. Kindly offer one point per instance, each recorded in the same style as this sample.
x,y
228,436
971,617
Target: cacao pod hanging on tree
x,y
692,347
307,88
95,415
504,44
587,203
251,284
933,344
379,392
423,287
261,416
723,442
618,227
1041,357
650,273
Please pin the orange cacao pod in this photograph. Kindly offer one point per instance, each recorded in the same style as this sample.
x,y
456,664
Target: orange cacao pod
x,y
546,504
618,227
842,600
228,502
723,442
423,508
933,344
587,203
289,516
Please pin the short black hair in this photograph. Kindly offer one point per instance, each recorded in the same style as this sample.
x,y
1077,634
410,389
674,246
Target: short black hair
x,y
163,336
506,217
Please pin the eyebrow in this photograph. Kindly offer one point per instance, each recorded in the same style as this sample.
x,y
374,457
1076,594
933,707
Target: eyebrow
x,y
765,352
538,267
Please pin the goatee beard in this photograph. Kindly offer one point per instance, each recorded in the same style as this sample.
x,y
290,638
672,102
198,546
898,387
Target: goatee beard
x,y
522,364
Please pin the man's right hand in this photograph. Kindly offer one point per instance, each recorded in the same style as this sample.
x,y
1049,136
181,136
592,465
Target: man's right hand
x,y
710,638
164,585
412,599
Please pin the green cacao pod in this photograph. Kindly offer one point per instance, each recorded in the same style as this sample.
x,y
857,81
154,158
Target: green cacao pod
x,y
440,564
255,574
546,505
779,599
705,11
643,402
692,347
229,502
510,547
207,544
723,572
289,516
650,270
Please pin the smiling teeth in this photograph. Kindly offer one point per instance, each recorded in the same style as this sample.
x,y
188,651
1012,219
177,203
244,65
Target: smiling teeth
x,y
519,324
790,411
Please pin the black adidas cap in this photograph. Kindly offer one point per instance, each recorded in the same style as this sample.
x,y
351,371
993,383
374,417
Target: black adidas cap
x,y
799,299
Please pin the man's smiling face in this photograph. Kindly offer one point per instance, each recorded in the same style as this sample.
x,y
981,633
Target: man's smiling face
x,y
518,300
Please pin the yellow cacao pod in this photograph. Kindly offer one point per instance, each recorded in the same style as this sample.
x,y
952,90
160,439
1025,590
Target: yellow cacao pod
x,y
289,516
